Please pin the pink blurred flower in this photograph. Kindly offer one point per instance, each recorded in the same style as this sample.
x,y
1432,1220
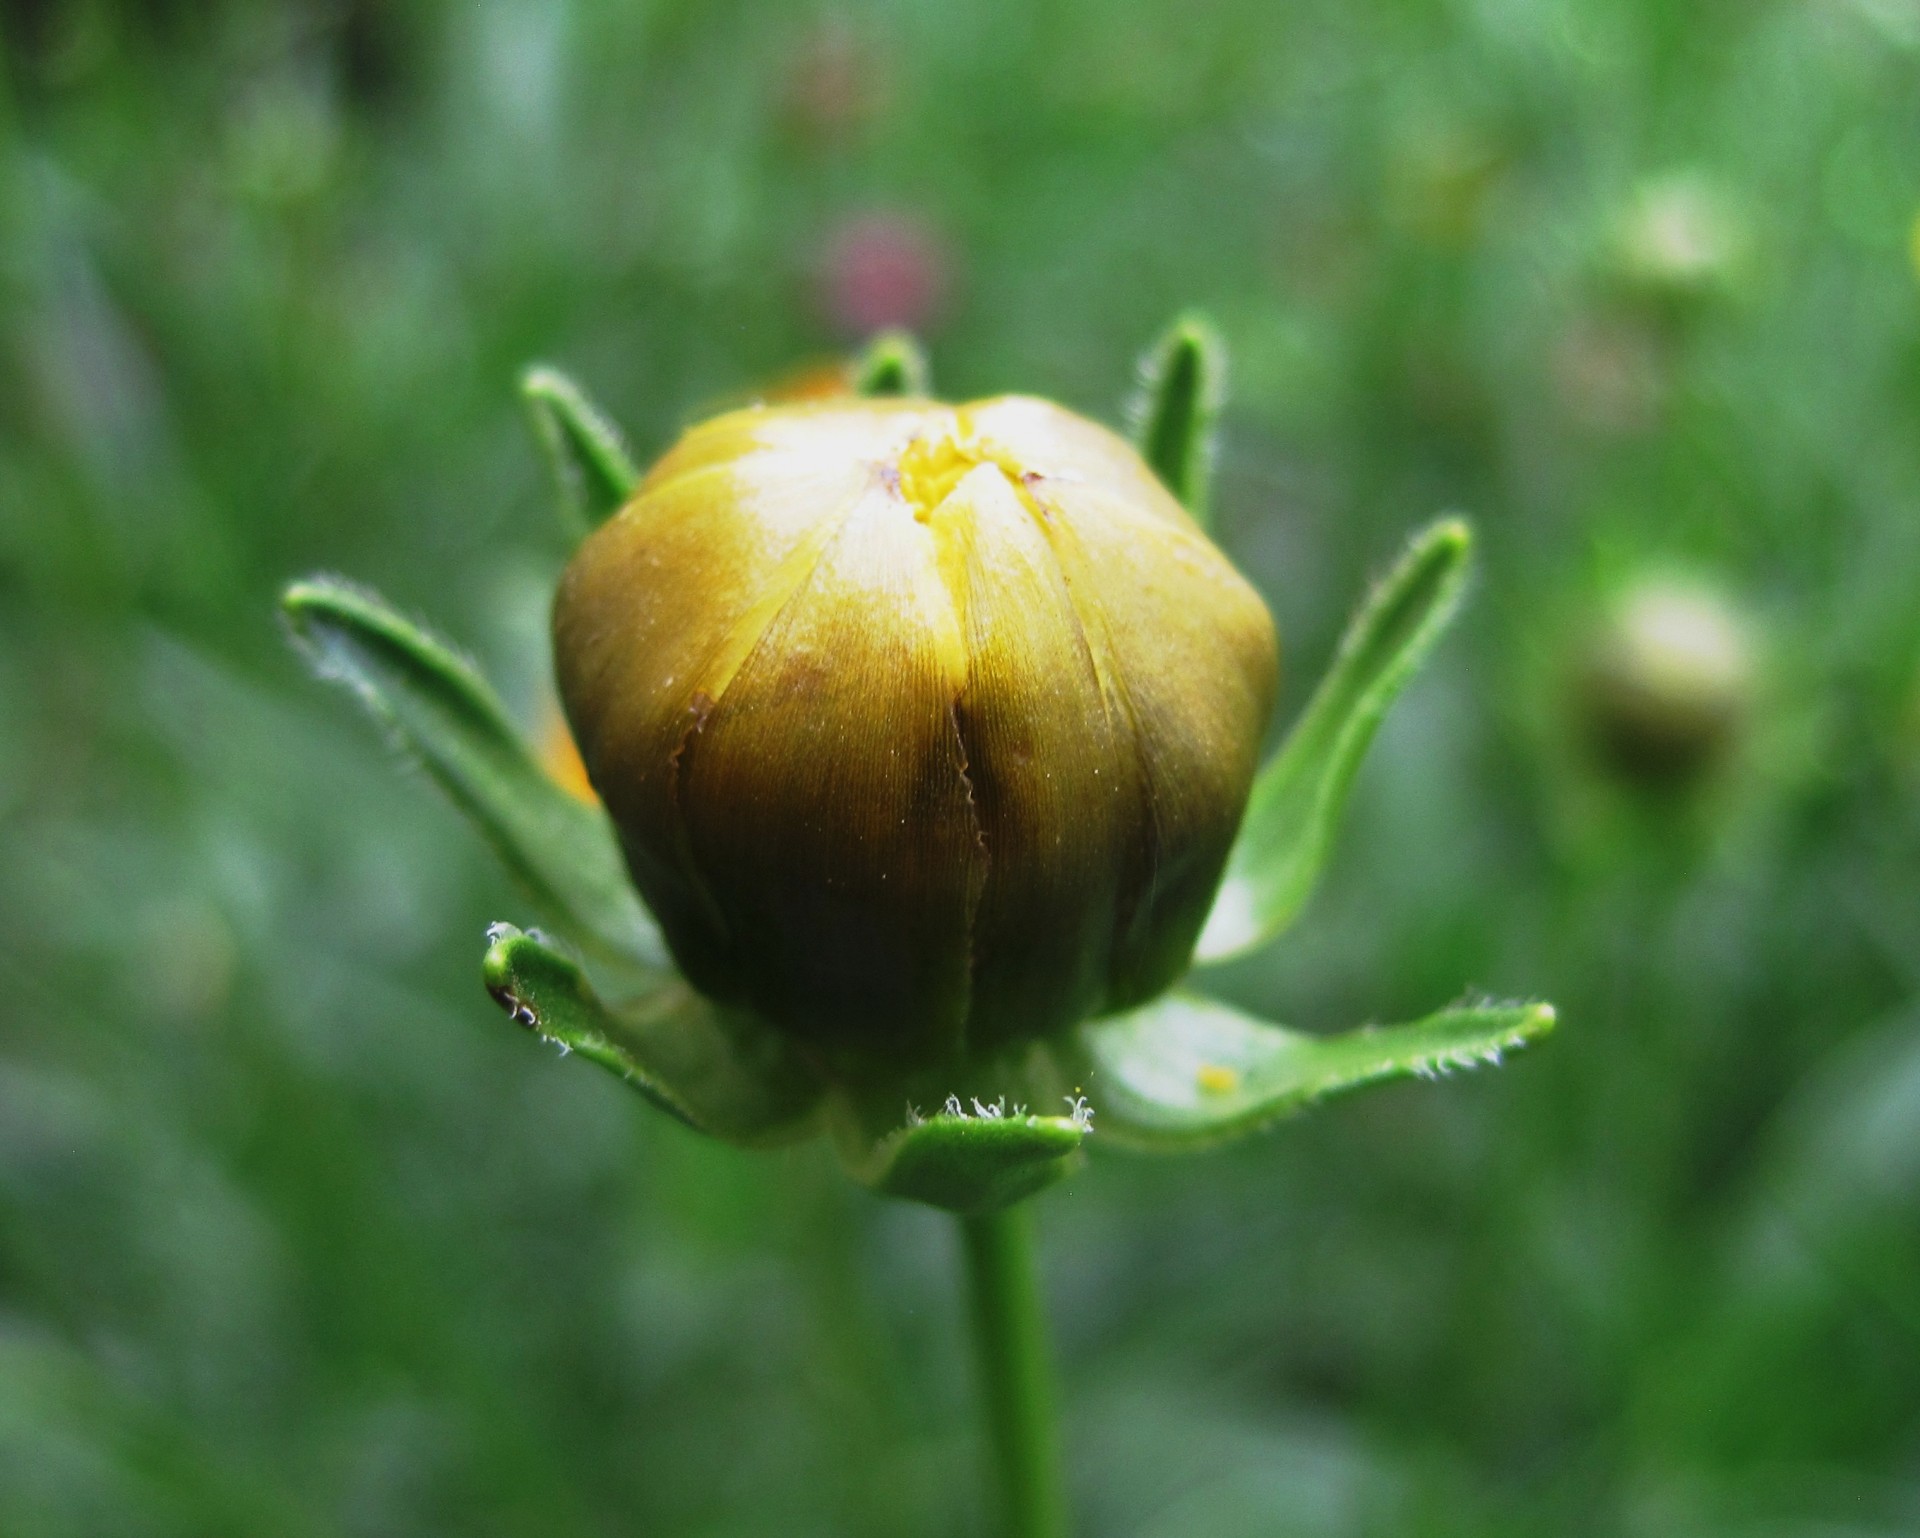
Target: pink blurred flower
x,y
883,269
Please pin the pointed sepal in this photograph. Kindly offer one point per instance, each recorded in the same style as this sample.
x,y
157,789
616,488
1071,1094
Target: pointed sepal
x,y
894,363
970,1158
591,467
440,710
1186,1071
1298,798
718,1072
1183,385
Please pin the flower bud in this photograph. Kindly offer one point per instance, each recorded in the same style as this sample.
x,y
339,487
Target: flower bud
x,y
926,729
1667,681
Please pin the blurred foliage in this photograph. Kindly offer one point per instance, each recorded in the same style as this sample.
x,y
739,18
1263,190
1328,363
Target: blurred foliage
x,y
297,1237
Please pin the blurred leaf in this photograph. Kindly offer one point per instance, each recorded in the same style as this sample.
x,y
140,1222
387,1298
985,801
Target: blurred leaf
x,y
142,1462
717,1071
1298,798
440,709
1185,1071
970,1160
591,466
1183,384
894,363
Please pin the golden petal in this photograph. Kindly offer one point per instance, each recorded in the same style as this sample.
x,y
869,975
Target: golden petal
x,y
823,433
1187,649
1055,443
1054,783
672,589
826,801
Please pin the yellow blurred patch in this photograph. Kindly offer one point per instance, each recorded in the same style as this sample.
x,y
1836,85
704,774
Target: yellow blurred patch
x,y
820,380
1217,1079
1913,244
562,761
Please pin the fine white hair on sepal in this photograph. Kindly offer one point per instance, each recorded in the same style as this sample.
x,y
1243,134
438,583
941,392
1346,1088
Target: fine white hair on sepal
x,y
1491,1055
975,1109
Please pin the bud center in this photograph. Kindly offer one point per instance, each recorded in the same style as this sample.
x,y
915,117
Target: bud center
x,y
933,464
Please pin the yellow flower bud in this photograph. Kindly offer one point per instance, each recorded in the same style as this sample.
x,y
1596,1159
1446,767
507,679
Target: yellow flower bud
x,y
926,728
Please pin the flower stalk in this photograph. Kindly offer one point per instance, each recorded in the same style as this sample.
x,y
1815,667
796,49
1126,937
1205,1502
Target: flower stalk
x,y
1016,1377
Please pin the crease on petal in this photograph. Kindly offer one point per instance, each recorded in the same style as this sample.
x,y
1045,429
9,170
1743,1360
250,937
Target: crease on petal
x,y
851,690
1050,763
979,887
1192,651
1062,445
1134,895
789,581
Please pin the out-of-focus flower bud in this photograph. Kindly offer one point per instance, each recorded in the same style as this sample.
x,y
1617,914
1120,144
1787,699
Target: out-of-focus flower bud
x,y
1668,681
1680,235
926,729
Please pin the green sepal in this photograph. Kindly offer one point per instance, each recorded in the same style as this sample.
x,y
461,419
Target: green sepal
x,y
969,1137
442,711
893,363
720,1072
1183,384
591,467
1298,798
970,1159
1185,1071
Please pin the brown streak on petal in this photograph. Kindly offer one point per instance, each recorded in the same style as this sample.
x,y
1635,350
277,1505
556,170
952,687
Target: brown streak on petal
x,y
979,884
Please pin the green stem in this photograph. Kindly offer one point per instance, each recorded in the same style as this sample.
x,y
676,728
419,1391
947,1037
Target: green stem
x,y
1015,1379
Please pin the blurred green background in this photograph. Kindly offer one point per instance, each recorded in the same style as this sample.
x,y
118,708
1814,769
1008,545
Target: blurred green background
x,y
298,1237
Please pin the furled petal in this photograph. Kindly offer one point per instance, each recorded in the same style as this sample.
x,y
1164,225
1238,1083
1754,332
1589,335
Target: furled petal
x,y
1053,778
1063,447
684,582
1188,660
772,443
826,803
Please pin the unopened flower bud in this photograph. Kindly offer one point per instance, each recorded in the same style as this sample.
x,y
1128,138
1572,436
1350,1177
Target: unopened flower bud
x,y
1668,679
926,729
